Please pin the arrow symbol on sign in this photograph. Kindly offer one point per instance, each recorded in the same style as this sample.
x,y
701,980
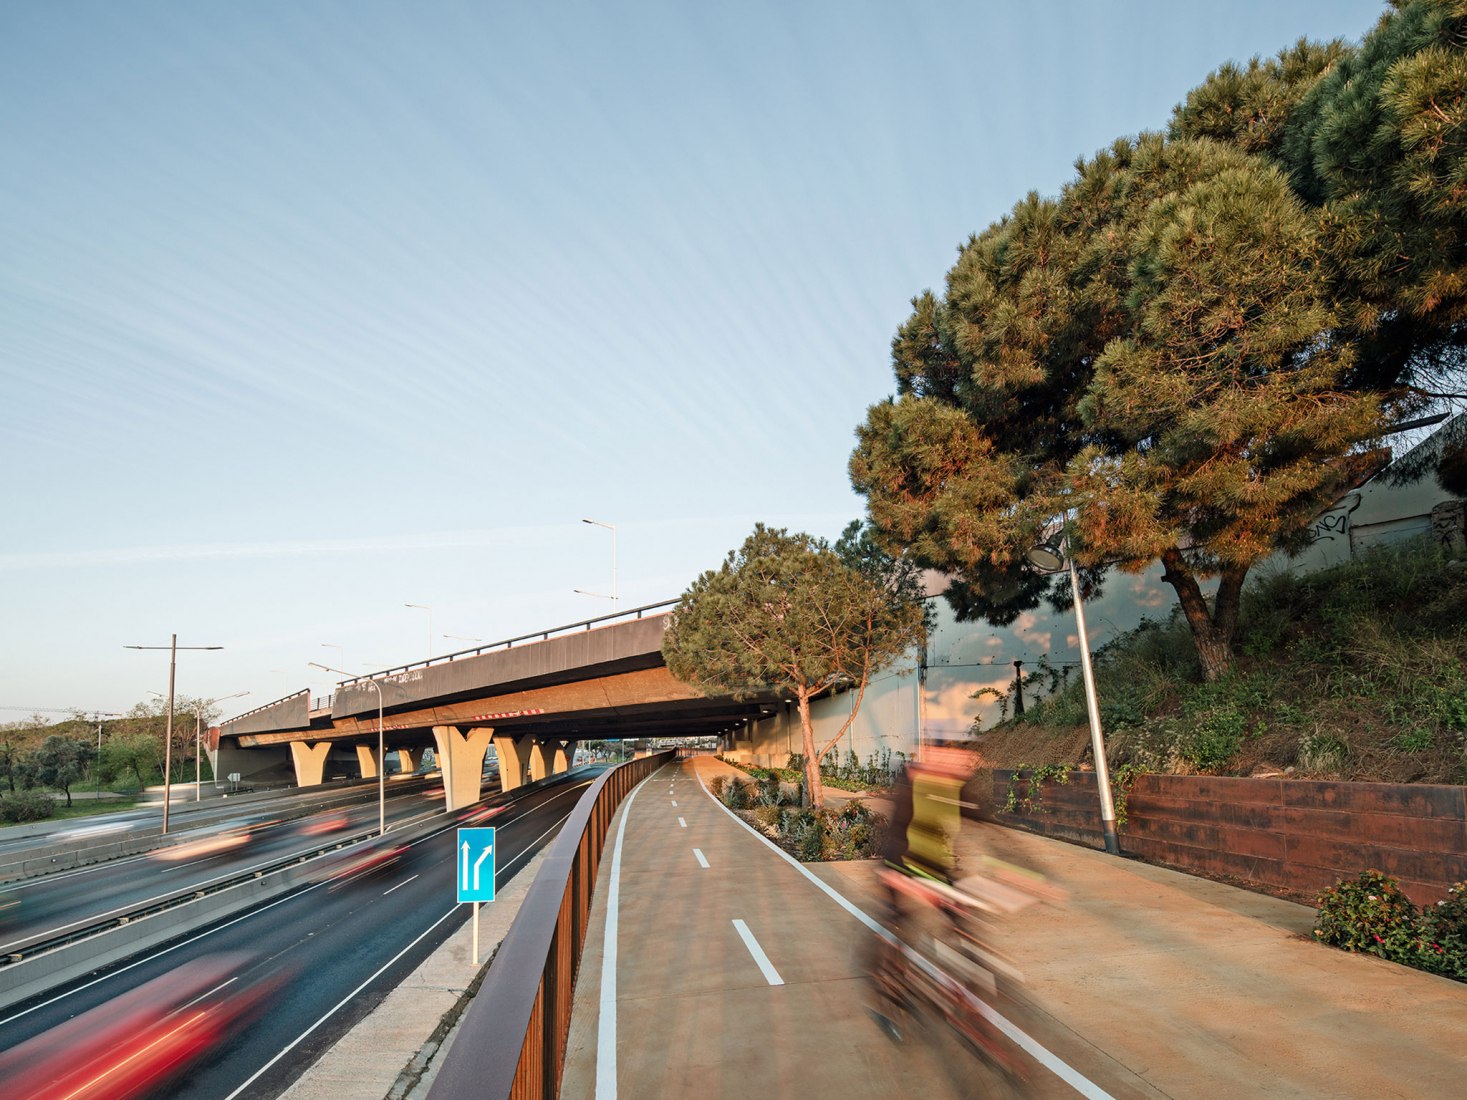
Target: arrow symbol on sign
x,y
465,874
479,863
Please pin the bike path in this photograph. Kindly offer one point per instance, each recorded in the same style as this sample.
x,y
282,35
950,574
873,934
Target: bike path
x,y
1147,982
737,975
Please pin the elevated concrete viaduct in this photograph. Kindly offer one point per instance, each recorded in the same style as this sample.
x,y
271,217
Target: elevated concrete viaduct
x,y
532,698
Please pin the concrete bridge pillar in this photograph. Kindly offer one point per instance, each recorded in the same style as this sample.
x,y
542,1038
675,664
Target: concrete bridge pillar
x,y
560,760
514,760
409,760
309,761
461,756
367,760
540,754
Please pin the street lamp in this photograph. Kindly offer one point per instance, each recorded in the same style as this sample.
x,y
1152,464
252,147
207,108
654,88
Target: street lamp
x,y
429,609
97,767
462,638
1051,556
173,648
381,751
198,738
612,528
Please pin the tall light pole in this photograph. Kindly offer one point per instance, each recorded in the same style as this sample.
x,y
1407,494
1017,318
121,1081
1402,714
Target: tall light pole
x,y
429,609
198,738
173,647
97,767
1052,556
381,751
612,528
462,638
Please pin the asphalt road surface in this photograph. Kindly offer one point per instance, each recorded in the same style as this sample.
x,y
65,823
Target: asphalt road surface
x,y
327,954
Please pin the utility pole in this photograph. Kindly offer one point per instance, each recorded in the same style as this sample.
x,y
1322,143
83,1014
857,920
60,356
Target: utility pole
x,y
173,647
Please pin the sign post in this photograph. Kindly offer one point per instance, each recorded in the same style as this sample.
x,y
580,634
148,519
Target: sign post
x,y
475,878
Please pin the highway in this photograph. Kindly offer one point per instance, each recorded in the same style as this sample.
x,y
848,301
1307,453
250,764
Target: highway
x,y
40,908
320,959
184,815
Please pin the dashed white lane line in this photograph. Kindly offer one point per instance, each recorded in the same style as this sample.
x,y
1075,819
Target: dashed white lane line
x,y
766,968
681,823
702,859
1036,1050
399,886
674,802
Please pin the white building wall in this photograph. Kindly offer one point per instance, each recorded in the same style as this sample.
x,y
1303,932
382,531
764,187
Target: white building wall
x,y
941,698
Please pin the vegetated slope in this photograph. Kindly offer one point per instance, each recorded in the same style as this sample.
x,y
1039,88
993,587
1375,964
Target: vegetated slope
x,y
1355,672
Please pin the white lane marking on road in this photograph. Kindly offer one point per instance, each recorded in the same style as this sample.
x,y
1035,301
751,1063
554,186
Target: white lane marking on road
x,y
702,859
606,1019
399,886
681,823
1036,1050
339,1005
674,802
766,967
242,917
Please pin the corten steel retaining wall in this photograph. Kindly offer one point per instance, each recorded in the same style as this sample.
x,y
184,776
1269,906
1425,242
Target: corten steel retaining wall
x,y
511,1043
1291,836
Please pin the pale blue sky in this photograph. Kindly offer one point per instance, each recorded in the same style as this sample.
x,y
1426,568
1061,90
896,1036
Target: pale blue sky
x,y
309,310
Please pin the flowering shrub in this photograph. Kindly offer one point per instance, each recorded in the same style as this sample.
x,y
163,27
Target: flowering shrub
x,y
1371,914
1368,913
1444,934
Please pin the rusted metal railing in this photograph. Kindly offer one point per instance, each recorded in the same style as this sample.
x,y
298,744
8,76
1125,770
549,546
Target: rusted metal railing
x,y
511,1044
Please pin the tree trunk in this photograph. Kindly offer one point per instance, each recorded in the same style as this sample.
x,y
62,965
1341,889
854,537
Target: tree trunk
x,y
813,786
1212,630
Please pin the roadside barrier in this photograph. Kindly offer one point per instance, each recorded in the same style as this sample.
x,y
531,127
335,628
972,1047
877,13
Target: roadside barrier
x,y
512,1041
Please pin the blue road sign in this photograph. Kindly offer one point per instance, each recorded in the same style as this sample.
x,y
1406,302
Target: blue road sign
x,y
475,865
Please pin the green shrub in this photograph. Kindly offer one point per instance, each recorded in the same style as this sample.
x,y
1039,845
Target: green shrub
x,y
26,806
716,785
768,818
1444,934
736,795
1370,914
767,792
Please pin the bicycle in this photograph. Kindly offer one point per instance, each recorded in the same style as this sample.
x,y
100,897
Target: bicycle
x,y
960,977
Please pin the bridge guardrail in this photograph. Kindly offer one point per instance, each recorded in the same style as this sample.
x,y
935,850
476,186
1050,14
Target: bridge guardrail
x,y
513,1036
509,643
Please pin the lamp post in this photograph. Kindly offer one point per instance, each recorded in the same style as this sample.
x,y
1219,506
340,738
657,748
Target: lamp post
x,y
429,609
462,638
173,647
198,738
612,528
1051,557
381,753
97,767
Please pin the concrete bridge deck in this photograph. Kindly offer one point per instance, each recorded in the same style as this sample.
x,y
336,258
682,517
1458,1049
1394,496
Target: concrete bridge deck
x,y
1147,983
533,698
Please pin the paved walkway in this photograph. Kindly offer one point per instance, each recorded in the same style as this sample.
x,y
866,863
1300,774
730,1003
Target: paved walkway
x,y
738,974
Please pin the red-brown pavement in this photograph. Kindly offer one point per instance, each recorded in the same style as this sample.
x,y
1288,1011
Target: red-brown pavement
x,y
1146,983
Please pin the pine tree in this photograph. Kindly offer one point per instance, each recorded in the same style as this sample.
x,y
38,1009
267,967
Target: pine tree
x,y
1150,354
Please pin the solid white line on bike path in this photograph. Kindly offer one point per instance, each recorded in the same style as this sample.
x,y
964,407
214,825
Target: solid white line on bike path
x,y
766,968
606,1018
702,859
1031,1046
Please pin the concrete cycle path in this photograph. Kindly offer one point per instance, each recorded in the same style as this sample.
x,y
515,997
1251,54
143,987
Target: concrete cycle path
x,y
1148,982
736,975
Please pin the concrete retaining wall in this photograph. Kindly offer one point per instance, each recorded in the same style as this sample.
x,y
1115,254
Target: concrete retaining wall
x,y
1292,837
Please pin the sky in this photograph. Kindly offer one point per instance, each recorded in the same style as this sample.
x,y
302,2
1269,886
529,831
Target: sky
x,y
312,311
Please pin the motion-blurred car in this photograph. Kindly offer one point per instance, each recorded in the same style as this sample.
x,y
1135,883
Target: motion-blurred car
x,y
134,1044
356,862
323,824
227,838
